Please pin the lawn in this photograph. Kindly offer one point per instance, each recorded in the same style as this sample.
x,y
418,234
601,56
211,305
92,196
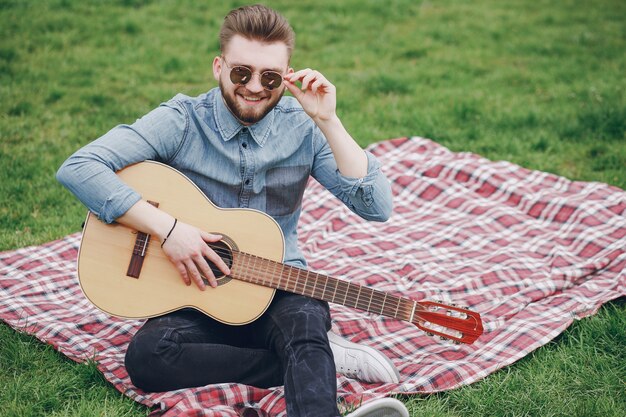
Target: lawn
x,y
538,83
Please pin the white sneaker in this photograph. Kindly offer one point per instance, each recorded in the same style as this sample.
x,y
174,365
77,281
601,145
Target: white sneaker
x,y
361,362
381,407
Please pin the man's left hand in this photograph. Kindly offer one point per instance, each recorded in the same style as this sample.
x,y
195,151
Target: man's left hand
x,y
316,95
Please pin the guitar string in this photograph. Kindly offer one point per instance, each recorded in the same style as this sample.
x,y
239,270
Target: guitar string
x,y
376,297
264,276
349,299
226,252
307,282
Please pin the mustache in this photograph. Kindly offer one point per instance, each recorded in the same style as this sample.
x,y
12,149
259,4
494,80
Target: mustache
x,y
242,90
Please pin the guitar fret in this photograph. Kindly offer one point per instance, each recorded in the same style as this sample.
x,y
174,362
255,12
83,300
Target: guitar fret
x,y
276,271
305,285
382,306
282,276
413,312
334,292
373,294
295,282
314,286
298,282
292,276
234,268
369,305
254,268
346,295
324,290
409,305
259,268
306,279
241,267
395,315
356,302
253,277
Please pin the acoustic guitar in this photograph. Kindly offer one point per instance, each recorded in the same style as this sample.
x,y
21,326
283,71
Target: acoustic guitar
x,y
126,274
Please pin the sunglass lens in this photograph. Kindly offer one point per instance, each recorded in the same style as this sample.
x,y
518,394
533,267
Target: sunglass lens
x,y
240,75
271,80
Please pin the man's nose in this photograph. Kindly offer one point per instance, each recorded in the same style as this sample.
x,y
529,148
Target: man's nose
x,y
254,85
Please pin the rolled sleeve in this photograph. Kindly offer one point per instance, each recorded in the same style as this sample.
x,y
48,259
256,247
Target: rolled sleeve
x,y
370,196
118,204
90,173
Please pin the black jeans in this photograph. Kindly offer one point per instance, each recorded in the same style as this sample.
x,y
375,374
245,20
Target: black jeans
x,y
287,345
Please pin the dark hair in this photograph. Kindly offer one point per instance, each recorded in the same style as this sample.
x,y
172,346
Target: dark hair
x,y
257,22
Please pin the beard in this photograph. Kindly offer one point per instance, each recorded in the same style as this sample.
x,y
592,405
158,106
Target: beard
x,y
249,115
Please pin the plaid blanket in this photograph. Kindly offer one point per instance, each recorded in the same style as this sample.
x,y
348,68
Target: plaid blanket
x,y
529,250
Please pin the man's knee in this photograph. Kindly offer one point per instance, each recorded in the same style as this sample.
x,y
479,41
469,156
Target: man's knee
x,y
145,360
302,311
299,322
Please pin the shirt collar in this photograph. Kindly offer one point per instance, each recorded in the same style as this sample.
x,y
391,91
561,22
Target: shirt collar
x,y
229,126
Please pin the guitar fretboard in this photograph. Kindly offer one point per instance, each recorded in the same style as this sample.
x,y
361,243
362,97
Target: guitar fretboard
x,y
261,271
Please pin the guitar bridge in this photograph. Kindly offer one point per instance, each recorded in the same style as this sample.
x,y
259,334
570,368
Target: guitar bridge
x,y
139,251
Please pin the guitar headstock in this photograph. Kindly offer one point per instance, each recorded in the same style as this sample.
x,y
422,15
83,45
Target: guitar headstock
x,y
448,321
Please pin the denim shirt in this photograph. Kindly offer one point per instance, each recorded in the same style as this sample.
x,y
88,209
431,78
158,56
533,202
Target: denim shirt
x,y
264,166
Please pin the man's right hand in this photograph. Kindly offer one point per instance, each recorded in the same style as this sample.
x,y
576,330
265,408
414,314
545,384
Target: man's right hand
x,y
186,247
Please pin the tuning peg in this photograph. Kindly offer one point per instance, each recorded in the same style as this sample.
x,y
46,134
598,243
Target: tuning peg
x,y
429,334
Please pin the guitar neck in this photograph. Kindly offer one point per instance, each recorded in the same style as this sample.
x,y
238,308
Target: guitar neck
x,y
268,273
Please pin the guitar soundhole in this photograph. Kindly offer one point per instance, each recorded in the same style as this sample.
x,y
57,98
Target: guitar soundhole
x,y
225,252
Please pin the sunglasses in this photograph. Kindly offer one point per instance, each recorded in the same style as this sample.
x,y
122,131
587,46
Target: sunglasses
x,y
241,75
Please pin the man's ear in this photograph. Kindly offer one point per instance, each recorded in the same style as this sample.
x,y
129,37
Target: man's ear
x,y
217,67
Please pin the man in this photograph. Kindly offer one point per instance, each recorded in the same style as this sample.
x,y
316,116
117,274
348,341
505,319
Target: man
x,y
244,145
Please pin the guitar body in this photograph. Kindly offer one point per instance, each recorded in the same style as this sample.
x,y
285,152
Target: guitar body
x,y
106,251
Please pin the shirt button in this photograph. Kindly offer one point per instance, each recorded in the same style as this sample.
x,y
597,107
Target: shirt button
x,y
244,130
248,182
245,145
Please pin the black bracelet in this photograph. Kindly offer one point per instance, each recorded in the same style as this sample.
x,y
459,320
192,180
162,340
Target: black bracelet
x,y
171,230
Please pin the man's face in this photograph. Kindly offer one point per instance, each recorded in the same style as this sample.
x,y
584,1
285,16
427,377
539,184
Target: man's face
x,y
250,102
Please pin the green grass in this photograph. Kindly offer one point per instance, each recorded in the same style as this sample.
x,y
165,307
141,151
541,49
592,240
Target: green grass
x,y
538,83
36,381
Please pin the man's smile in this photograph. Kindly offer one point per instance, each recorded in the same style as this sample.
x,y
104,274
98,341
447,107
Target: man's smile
x,y
250,98
253,99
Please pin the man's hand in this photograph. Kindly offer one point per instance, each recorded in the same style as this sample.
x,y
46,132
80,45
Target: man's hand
x,y
317,96
187,249
186,246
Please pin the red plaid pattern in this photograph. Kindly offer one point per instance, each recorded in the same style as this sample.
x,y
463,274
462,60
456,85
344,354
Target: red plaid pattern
x,y
530,251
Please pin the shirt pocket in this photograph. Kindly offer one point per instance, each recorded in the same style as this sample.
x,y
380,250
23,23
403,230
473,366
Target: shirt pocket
x,y
284,188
